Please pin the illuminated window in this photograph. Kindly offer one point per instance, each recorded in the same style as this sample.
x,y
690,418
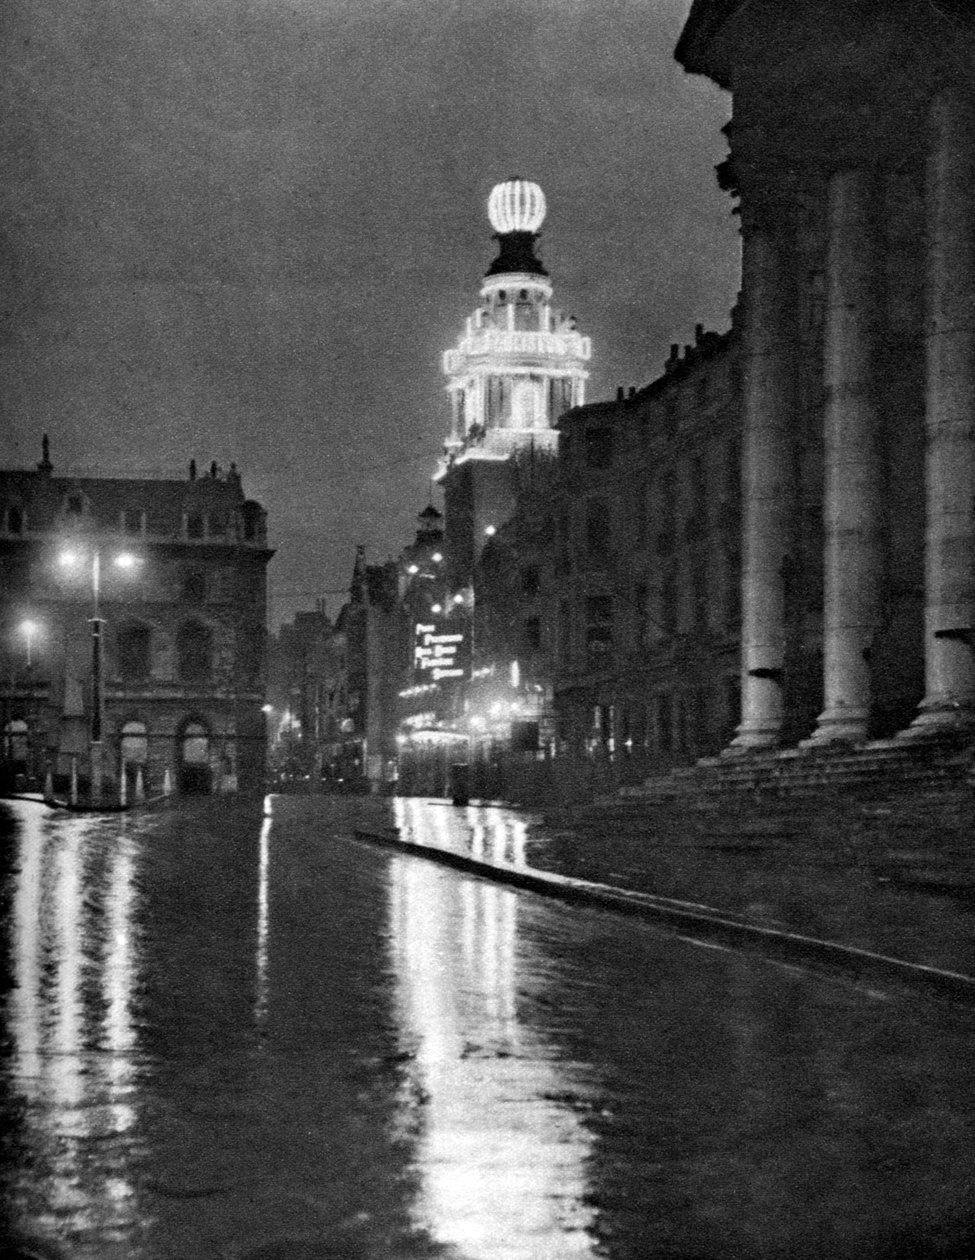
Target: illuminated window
x,y
196,744
135,743
16,740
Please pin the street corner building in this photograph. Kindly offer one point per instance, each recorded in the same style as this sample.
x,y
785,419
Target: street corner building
x,y
134,632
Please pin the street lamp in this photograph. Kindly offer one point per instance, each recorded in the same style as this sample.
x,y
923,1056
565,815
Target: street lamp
x,y
29,629
76,559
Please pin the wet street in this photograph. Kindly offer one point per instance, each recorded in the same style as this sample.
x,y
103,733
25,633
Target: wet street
x,y
234,1031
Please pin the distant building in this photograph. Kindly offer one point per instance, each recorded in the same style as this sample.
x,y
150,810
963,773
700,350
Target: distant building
x,y
307,700
369,623
169,577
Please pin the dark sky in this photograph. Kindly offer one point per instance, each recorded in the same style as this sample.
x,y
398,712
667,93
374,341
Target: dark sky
x,y
247,229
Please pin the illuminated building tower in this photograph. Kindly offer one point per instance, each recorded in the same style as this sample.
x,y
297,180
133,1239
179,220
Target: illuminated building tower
x,y
518,366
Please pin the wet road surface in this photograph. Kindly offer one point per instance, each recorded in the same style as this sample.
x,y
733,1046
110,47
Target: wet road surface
x,y
239,1034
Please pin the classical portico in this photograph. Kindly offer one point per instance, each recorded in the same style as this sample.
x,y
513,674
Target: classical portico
x,y
853,155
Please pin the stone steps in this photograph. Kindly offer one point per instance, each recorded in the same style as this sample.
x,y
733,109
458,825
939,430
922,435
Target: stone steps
x,y
884,768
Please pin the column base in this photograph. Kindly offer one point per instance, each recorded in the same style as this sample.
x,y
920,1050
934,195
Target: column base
x,y
849,729
939,718
753,741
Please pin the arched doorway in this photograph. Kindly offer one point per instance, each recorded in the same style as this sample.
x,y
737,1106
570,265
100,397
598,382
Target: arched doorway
x,y
16,754
193,758
134,753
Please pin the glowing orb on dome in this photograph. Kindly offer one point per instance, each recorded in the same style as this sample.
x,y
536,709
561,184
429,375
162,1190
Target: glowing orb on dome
x,y
517,205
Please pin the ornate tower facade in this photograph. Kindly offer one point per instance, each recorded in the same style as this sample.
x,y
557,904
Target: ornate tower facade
x,y
519,364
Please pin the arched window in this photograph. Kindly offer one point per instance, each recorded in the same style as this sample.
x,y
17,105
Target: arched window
x,y
196,744
133,646
135,743
193,646
15,740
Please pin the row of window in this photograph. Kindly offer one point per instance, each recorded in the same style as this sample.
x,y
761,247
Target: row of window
x,y
194,739
682,723
602,615
134,522
134,641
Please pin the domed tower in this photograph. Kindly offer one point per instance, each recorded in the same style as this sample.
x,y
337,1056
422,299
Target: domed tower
x,y
518,365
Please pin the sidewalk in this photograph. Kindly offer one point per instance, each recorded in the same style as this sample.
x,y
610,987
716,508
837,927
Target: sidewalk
x,y
893,877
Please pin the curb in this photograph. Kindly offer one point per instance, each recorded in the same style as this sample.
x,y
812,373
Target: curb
x,y
704,921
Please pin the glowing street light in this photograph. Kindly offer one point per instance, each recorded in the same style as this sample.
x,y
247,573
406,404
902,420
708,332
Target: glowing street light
x,y
76,558
491,530
29,630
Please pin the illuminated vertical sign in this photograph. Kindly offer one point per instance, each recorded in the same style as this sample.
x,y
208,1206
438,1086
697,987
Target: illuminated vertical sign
x,y
436,653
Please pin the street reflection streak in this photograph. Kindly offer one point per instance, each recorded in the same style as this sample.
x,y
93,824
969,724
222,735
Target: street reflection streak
x,y
71,1026
263,867
501,1166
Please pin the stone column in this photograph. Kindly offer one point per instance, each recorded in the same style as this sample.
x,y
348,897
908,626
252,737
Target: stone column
x,y
949,604
853,499
769,498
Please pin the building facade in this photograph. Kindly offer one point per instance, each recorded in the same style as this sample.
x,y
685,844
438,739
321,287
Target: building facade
x,y
852,155
644,569
133,630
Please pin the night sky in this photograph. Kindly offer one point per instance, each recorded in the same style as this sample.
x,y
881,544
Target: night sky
x,y
245,230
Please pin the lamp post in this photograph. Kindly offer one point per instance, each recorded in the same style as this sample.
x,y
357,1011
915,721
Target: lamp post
x,y
29,630
75,559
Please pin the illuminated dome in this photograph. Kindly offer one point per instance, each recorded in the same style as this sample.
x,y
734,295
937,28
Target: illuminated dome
x,y
517,205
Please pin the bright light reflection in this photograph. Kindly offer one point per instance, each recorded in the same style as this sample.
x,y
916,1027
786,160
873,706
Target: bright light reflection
x,y
263,867
501,1167
71,1022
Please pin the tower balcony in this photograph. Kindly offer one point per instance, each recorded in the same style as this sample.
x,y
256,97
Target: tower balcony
x,y
550,349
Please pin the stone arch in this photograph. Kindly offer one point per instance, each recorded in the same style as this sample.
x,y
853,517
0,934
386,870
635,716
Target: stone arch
x,y
194,740
133,745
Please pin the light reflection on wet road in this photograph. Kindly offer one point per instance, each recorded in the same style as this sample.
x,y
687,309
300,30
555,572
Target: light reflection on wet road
x,y
246,1036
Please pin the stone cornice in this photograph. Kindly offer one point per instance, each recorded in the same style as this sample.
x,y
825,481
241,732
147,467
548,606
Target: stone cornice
x,y
694,49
